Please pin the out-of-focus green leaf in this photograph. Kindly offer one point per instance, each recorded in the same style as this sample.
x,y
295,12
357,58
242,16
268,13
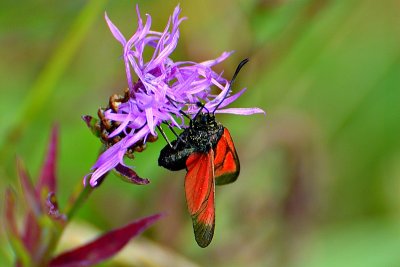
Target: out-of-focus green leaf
x,y
370,243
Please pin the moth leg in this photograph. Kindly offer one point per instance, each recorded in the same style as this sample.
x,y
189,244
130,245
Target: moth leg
x,y
164,135
172,101
172,129
179,139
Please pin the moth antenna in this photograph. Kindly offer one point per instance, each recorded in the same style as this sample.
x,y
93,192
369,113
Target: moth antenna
x,y
171,128
180,111
166,138
238,68
201,106
172,101
164,135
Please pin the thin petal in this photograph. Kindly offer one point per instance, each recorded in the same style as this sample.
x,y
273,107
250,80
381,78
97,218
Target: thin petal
x,y
114,30
139,135
210,105
218,60
106,162
241,111
120,128
150,120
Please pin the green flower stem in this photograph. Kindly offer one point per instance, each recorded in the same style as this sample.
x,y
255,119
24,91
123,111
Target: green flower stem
x,y
77,199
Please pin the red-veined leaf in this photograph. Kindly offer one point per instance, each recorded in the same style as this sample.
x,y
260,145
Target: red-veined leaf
x,y
31,233
103,247
29,192
47,178
11,225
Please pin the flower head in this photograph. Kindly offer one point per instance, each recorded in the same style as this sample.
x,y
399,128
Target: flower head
x,y
163,89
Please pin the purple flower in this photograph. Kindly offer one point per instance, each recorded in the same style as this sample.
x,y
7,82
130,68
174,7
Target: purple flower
x,y
163,90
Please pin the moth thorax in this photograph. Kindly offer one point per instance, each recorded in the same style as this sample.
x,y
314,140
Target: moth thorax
x,y
205,132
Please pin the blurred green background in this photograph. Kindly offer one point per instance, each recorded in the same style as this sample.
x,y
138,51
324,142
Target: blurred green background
x,y
320,178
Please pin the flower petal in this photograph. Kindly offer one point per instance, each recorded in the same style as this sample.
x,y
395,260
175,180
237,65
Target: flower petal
x,y
241,111
150,120
106,162
114,30
213,62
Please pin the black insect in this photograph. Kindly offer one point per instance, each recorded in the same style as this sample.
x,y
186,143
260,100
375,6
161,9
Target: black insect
x,y
206,150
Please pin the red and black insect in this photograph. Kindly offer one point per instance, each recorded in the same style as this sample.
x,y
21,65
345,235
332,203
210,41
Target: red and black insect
x,y
207,152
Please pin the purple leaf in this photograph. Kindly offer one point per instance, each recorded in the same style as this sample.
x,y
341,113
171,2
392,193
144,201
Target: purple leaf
x,y
47,178
31,233
130,175
31,197
11,225
103,247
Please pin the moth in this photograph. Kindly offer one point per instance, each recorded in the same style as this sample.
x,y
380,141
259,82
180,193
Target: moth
x,y
207,152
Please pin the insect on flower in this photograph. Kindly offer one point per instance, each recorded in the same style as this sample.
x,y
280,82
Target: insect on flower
x,y
207,152
130,120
